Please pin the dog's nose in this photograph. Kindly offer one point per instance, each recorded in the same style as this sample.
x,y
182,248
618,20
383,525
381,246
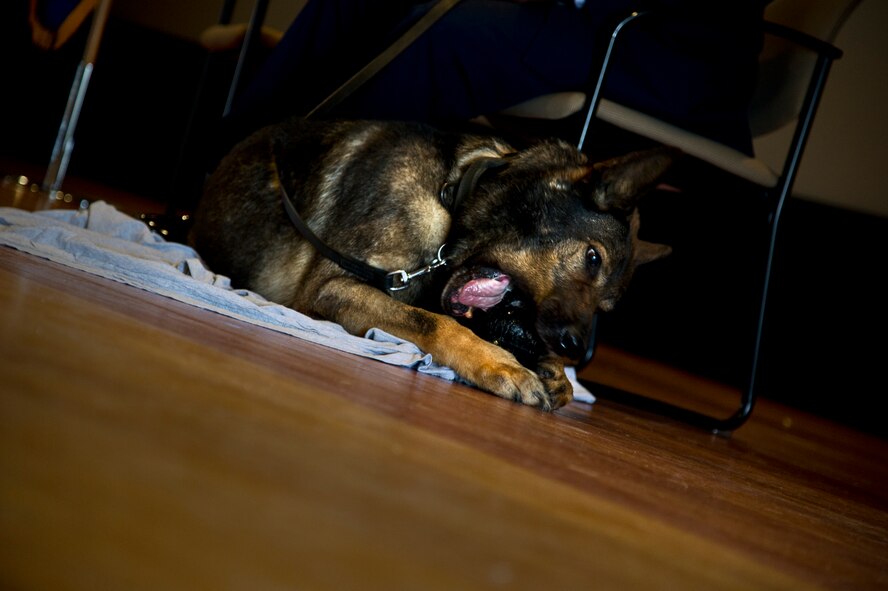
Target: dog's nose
x,y
570,345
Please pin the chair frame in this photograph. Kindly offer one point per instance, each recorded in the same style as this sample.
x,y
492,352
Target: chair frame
x,y
826,55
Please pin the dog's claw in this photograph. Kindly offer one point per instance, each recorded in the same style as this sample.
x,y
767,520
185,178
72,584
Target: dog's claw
x,y
538,399
558,387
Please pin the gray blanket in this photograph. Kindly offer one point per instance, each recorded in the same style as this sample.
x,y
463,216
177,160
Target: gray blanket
x,y
103,241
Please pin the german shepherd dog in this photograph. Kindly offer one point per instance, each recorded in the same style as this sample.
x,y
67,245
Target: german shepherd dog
x,y
459,226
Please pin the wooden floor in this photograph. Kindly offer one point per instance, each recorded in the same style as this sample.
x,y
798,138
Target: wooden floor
x,y
147,444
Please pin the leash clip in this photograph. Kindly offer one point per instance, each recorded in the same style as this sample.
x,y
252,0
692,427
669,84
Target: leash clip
x,y
400,279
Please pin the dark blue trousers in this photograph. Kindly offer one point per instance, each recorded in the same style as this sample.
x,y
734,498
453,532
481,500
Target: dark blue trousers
x,y
693,68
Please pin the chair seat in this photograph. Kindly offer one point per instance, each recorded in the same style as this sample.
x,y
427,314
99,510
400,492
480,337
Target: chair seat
x,y
564,104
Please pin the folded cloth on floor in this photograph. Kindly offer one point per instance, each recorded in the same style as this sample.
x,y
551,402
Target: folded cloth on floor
x,y
106,242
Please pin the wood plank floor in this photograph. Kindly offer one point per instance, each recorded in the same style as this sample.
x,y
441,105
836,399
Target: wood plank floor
x,y
147,444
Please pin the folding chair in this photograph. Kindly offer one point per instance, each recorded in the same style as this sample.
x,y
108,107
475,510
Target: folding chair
x,y
794,65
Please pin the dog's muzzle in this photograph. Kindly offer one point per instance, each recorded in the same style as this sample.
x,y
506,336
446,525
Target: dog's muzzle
x,y
565,330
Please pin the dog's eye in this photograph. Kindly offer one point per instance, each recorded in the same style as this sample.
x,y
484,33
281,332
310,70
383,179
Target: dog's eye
x,y
593,261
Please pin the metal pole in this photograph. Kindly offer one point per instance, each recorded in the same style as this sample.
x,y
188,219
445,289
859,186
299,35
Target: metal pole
x,y
64,143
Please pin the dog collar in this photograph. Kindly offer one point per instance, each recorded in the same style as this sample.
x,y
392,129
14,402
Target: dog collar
x,y
398,280
452,195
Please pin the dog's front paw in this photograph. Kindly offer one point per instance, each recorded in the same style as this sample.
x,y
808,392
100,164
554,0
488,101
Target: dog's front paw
x,y
496,371
558,387
548,388
517,383
485,365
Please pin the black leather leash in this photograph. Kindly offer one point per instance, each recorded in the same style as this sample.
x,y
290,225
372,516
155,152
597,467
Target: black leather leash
x,y
391,281
373,275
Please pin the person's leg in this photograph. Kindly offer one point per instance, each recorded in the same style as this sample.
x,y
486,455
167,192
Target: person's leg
x,y
694,68
481,57
486,55
327,40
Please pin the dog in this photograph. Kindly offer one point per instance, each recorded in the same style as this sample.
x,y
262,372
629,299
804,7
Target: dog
x,y
427,234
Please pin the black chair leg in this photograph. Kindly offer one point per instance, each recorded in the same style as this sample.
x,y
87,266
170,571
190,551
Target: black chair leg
x,y
725,426
716,425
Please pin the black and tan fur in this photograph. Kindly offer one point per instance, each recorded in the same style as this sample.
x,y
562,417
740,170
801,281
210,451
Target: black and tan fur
x,y
562,228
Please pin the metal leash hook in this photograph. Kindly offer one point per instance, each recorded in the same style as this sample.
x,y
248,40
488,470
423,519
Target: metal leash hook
x,y
400,279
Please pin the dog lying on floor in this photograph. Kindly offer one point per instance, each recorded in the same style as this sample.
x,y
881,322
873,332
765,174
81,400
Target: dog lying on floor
x,y
425,234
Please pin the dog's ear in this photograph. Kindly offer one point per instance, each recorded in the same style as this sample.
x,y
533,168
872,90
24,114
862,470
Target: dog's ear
x,y
646,252
619,182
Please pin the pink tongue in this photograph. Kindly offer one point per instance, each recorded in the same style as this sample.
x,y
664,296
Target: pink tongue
x,y
483,292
